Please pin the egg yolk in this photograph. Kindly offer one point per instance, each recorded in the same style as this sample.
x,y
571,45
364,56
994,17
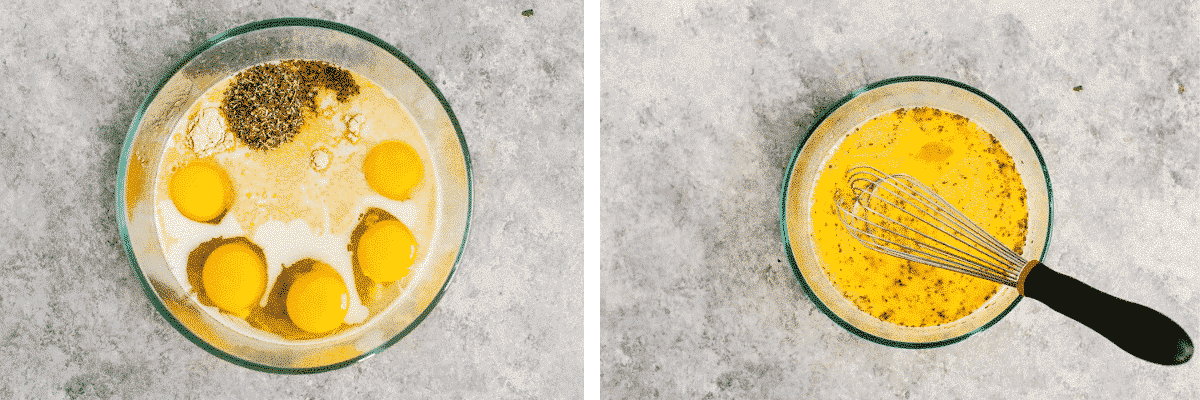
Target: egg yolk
x,y
386,251
201,191
393,169
234,278
317,301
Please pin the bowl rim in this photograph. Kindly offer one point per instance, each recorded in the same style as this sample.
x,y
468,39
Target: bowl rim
x,y
123,162
787,245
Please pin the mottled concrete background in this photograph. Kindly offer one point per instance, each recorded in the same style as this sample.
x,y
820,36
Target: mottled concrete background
x,y
73,320
705,101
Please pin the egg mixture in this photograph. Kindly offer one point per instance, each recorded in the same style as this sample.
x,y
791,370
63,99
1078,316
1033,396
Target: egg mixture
x,y
962,163
293,201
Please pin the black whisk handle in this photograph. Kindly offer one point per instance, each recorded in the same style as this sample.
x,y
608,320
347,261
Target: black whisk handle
x,y
1135,328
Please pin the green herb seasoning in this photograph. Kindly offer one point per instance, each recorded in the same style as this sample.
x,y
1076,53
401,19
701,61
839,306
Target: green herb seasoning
x,y
266,104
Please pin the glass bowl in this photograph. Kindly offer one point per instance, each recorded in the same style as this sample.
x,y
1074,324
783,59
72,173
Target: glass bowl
x,y
272,40
842,118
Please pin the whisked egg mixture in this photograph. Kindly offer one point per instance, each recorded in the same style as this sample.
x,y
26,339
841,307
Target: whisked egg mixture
x,y
961,162
293,201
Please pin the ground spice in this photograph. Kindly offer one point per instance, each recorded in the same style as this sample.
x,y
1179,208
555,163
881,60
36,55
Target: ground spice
x,y
266,104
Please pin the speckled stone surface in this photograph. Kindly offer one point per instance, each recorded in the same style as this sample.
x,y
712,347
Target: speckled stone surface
x,y
704,103
74,322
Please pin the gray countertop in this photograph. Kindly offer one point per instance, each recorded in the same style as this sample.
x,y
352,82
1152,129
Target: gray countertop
x,y
704,103
74,322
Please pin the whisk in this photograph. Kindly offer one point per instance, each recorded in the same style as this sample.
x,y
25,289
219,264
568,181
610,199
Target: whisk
x,y
898,215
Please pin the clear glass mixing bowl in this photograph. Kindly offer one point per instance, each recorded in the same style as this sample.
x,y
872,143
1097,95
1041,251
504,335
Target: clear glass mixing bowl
x,y
823,137
273,40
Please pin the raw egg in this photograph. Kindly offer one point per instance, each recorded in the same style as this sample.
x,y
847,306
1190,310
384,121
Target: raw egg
x,y
318,301
393,169
234,278
201,191
386,251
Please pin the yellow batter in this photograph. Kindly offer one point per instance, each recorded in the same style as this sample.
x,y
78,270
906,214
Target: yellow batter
x,y
962,163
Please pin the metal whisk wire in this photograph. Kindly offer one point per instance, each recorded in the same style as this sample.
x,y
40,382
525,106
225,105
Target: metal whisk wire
x,y
963,245
897,215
